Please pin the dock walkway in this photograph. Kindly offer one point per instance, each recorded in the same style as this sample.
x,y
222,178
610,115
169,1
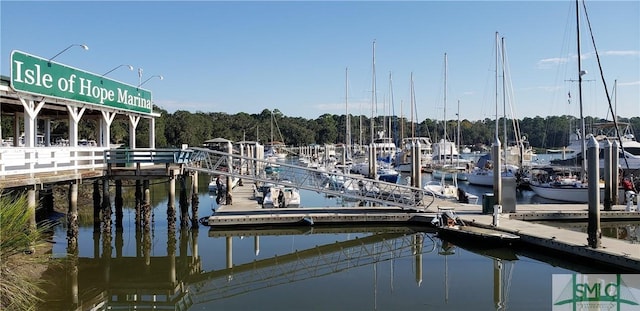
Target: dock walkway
x,y
245,211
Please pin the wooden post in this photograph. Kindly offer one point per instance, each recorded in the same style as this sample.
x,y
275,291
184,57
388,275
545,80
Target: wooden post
x,y
106,207
184,203
72,218
119,203
146,205
171,206
96,205
194,200
138,202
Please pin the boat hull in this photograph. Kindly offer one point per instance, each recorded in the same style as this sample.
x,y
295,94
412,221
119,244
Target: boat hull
x,y
569,194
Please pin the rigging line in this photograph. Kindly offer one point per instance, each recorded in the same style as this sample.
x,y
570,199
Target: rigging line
x,y
604,83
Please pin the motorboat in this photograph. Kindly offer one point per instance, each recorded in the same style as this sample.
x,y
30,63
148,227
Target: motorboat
x,y
628,159
275,194
440,189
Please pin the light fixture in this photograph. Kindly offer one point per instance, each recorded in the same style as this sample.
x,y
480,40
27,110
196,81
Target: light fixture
x,y
145,81
84,46
124,65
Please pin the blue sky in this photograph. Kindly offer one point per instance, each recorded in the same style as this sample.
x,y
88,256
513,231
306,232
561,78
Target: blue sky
x,y
248,56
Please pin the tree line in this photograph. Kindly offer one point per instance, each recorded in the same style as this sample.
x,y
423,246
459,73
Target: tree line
x,y
193,128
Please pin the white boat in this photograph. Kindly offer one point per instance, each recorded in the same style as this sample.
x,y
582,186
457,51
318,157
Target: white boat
x,y
403,159
604,132
569,190
441,189
449,172
484,177
572,189
482,174
276,193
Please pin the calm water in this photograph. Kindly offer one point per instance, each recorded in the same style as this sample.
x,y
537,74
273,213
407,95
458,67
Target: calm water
x,y
351,268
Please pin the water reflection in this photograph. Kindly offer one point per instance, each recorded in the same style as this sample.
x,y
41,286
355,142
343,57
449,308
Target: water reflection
x,y
314,262
338,267
622,230
141,280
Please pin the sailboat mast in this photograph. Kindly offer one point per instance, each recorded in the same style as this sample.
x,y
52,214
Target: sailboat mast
x,y
445,107
497,64
413,128
347,134
389,113
580,73
458,115
504,103
373,91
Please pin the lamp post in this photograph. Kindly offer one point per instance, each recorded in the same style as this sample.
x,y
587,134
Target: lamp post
x,y
84,46
145,81
124,65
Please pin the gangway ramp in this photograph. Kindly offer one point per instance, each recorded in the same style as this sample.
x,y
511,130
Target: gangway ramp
x,y
307,264
353,187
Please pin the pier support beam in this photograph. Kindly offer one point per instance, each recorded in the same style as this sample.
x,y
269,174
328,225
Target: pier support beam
x,y
416,165
608,181
96,204
615,164
106,208
497,167
72,218
171,206
146,205
47,200
593,226
195,200
119,203
373,170
31,209
184,202
138,195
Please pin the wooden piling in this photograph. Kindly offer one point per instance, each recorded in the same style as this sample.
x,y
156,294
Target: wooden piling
x,y
106,207
72,218
119,203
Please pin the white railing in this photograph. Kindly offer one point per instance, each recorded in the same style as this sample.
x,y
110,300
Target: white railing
x,y
16,161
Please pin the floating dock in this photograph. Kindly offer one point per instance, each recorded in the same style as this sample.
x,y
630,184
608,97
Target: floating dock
x,y
246,212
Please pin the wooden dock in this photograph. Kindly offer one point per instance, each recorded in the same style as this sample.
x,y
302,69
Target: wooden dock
x,y
547,239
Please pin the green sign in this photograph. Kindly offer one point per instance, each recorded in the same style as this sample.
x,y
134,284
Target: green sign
x,y
39,76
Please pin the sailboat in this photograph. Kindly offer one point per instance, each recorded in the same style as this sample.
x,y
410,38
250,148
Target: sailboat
x,y
383,146
482,174
570,189
273,149
446,159
404,158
